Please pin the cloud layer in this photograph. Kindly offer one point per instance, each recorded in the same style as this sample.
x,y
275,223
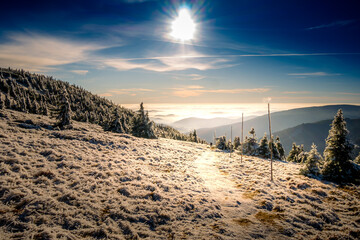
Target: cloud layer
x,y
39,53
192,91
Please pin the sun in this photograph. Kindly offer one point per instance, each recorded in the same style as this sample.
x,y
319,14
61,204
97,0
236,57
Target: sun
x,y
183,27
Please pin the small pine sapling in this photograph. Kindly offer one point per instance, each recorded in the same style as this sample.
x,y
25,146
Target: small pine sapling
x,y
280,148
272,146
312,163
236,142
263,149
64,117
293,154
221,143
250,144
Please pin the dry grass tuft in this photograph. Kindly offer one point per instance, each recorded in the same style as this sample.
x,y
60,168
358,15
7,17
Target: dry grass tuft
x,y
268,218
243,221
251,194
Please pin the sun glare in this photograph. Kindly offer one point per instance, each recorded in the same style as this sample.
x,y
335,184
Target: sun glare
x,y
183,27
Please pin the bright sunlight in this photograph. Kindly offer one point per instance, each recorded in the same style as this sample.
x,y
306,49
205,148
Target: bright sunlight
x,y
183,27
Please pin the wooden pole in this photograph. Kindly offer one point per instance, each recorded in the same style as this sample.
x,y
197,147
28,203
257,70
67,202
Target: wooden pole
x,y
231,141
271,151
242,136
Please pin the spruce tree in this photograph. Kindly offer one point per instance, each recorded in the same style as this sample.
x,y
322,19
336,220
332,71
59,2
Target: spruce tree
x,y
272,146
195,137
263,149
280,148
250,144
337,153
116,125
236,142
64,113
221,143
312,163
142,126
293,154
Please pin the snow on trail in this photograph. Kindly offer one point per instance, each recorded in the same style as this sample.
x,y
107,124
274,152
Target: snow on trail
x,y
226,193
222,189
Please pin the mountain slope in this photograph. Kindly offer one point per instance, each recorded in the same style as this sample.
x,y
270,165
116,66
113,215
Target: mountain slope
x,y
34,93
309,133
84,183
282,120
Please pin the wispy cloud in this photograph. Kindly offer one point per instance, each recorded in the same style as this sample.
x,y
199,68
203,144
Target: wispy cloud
x,y
318,74
297,92
80,72
333,24
167,64
125,91
39,53
191,77
349,93
192,91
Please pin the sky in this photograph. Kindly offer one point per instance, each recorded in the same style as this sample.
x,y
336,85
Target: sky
x,y
242,51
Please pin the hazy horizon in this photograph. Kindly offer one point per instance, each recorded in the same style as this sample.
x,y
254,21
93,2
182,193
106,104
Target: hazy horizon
x,y
170,113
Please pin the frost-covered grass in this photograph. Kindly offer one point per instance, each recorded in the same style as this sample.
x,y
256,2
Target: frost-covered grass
x,y
85,183
293,206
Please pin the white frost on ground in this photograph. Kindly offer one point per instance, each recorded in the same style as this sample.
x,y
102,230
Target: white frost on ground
x,y
87,183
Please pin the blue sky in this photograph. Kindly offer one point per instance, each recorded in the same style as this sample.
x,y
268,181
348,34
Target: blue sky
x,y
243,51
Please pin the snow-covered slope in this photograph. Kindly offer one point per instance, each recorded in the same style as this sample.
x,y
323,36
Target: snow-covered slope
x,y
87,183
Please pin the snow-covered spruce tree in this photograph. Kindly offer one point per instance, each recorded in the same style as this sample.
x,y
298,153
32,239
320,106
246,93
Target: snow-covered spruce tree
x,y
302,156
312,163
280,148
263,149
250,144
293,154
142,126
194,137
116,125
272,146
64,117
236,143
221,143
337,153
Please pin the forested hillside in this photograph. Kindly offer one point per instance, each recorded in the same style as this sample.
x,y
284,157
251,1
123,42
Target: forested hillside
x,y
282,120
310,133
39,94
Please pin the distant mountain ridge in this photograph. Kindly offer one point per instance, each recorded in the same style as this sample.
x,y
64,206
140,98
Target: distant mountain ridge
x,y
282,120
309,133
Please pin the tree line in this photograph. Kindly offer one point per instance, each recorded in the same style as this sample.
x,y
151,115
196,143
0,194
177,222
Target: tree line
x,y
336,163
38,94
